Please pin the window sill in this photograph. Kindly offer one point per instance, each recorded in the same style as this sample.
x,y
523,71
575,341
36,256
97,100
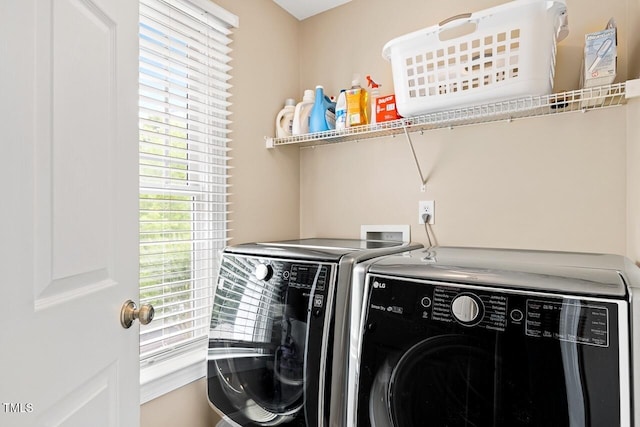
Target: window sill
x,y
162,377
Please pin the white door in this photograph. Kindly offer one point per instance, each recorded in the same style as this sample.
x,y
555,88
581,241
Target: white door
x,y
68,212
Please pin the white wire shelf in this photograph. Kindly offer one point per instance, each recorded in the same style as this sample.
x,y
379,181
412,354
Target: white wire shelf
x,y
581,100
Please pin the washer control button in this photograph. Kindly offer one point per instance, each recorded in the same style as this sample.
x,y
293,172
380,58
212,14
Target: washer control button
x,y
263,271
516,315
425,302
465,308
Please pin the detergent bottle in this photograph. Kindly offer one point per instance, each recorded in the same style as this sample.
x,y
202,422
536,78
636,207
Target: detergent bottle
x,y
302,113
320,111
284,119
357,100
341,111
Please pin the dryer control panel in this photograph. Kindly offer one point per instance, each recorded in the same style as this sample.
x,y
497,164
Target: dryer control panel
x,y
253,294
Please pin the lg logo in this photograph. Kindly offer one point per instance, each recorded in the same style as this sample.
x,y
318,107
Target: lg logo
x,y
378,285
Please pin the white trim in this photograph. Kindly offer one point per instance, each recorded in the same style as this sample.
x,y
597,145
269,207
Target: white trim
x,y
163,377
217,11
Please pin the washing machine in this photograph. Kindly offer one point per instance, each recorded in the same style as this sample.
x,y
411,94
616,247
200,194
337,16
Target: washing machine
x,y
461,337
278,331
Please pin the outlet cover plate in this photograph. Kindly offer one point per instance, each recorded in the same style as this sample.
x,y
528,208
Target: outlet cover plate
x,y
427,207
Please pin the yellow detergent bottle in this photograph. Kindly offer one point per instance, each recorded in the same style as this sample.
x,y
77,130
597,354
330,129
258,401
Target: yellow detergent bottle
x,y
357,100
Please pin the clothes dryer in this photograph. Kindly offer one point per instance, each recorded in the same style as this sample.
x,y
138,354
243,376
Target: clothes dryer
x,y
460,337
277,342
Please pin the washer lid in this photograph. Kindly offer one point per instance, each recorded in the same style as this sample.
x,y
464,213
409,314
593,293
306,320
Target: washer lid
x,y
319,248
558,272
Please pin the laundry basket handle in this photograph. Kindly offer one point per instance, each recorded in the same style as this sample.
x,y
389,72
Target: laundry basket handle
x,y
455,18
457,26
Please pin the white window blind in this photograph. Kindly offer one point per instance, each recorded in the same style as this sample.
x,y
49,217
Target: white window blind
x,y
183,111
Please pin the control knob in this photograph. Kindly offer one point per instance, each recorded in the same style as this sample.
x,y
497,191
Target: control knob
x,y
263,271
466,309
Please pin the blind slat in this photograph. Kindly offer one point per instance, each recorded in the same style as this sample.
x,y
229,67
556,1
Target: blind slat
x,y
178,12
182,64
175,307
155,68
183,160
189,165
153,106
168,129
153,25
168,336
153,30
152,287
171,141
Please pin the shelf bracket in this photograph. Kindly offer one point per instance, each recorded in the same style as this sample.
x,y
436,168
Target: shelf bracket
x,y
423,181
632,88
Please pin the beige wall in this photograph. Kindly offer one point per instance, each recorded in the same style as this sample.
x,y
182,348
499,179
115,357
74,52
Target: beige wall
x,y
545,183
265,184
563,182
185,407
633,180
633,48
633,141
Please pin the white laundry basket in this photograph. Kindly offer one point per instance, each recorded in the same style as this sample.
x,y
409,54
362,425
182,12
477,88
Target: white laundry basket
x,y
500,53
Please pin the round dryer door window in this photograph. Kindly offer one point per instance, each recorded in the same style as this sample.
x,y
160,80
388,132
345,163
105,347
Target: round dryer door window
x,y
267,383
266,387
444,381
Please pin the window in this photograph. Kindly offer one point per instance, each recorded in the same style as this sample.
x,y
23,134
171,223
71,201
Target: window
x,y
183,115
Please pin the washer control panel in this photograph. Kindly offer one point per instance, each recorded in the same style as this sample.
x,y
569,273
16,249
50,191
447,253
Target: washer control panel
x,y
535,315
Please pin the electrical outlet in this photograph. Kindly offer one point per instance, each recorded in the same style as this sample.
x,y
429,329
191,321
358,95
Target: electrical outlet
x,y
426,207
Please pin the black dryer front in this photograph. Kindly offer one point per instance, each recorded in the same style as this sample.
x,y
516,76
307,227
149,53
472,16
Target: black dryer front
x,y
271,342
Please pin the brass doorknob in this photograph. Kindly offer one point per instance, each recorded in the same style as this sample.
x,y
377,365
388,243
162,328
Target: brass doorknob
x,y
131,312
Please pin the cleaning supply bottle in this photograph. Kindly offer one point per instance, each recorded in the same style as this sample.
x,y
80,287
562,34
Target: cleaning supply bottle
x,y
357,100
302,113
330,112
375,93
284,119
341,110
318,117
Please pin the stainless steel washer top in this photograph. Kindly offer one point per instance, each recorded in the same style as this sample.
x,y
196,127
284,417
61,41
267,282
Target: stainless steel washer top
x,y
454,337
569,272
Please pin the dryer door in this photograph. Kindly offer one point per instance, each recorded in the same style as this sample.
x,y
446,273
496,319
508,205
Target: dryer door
x,y
266,341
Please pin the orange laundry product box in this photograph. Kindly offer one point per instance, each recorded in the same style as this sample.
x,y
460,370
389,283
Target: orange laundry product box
x,y
386,108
